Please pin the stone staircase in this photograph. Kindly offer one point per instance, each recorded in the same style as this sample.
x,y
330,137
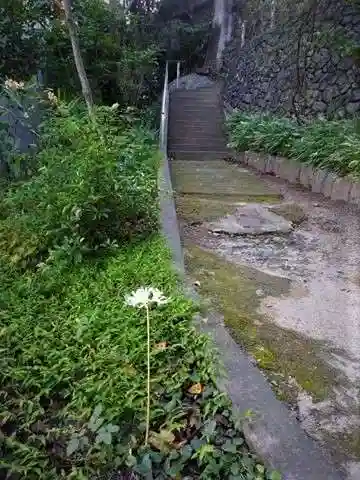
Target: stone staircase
x,y
195,130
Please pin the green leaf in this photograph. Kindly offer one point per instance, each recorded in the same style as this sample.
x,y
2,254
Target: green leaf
x,y
196,443
103,437
209,428
72,446
235,469
112,428
145,466
229,446
238,441
275,476
186,452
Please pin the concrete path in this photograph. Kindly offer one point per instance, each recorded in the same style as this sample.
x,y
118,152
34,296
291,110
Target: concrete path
x,y
278,268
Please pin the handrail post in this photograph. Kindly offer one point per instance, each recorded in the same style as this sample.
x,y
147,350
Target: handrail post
x,y
177,74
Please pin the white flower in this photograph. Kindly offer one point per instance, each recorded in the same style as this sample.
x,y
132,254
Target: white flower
x,y
114,106
11,84
52,97
144,296
26,115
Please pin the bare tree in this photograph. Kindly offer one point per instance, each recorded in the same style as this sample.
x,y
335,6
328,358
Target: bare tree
x,y
72,27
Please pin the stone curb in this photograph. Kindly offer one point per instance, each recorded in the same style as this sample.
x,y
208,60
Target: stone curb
x,y
317,180
272,432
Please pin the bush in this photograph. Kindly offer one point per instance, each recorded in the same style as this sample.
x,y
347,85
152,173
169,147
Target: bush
x,y
328,144
96,185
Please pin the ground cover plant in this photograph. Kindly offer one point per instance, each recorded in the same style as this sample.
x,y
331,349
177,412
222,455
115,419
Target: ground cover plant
x,y
330,144
76,238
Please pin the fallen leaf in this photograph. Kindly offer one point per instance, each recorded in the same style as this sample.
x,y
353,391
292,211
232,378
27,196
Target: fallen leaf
x,y
195,389
162,440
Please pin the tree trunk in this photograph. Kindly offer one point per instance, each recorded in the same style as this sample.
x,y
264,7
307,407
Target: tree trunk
x,y
85,86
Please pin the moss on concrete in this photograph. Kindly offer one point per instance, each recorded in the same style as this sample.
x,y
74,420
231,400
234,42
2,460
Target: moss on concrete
x,y
195,208
232,290
218,179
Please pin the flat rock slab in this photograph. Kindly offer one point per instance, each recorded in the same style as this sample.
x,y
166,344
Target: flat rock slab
x,y
250,220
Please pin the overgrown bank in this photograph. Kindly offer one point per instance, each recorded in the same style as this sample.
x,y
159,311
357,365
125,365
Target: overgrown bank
x,y
329,144
76,237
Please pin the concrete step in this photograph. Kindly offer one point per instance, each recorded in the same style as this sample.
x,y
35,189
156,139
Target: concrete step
x,y
210,117
195,108
197,144
200,155
195,101
189,137
193,127
189,127
203,93
195,120
196,148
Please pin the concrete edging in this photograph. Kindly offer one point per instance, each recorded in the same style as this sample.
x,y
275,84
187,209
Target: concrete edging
x,y
317,180
272,431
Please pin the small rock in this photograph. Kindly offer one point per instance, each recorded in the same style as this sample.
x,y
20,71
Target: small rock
x,y
278,240
197,283
259,292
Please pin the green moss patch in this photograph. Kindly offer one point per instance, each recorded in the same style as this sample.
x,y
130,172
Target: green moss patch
x,y
232,290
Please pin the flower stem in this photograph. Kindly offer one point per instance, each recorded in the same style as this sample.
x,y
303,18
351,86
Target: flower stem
x,y
148,376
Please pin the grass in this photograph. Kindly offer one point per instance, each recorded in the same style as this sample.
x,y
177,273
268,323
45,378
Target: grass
x,y
328,144
73,363
70,344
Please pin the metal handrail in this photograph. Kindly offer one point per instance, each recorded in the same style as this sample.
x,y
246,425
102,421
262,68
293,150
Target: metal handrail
x,y
165,106
170,227
164,112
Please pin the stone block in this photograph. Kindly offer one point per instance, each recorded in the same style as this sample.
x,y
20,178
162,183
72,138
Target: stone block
x,y
306,175
270,164
341,189
318,179
278,165
248,157
239,157
260,162
327,185
290,171
354,196
256,160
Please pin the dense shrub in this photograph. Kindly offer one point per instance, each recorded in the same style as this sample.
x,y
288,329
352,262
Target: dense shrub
x,y
328,144
96,185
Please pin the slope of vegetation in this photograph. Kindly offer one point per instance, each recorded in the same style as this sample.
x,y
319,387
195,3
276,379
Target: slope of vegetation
x,y
75,239
79,231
